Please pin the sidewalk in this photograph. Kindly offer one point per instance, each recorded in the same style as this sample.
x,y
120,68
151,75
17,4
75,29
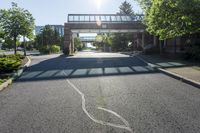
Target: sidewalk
x,y
190,72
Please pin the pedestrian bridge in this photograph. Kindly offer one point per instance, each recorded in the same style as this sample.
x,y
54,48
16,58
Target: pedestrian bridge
x,y
87,39
101,23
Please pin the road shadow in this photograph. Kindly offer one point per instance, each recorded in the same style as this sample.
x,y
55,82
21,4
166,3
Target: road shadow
x,y
74,67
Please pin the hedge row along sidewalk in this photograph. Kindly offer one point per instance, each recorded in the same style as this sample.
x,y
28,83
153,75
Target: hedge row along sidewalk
x,y
8,80
179,69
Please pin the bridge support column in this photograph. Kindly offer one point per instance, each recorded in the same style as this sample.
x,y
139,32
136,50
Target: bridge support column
x,y
143,37
143,42
72,45
67,49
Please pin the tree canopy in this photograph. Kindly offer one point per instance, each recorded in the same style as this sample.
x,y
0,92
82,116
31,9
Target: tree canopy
x,y
171,18
16,21
145,4
48,36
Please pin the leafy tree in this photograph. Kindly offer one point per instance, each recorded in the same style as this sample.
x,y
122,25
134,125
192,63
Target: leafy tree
x,y
145,4
47,38
2,34
16,21
171,18
120,40
77,43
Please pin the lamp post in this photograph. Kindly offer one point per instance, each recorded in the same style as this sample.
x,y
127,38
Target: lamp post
x,y
24,38
41,30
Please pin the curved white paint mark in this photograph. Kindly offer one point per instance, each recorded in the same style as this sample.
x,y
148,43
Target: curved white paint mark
x,y
126,125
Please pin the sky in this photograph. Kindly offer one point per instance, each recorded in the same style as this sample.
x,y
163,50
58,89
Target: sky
x,y
56,11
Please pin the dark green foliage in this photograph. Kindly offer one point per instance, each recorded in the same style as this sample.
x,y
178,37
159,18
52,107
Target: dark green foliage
x,y
54,49
10,63
48,37
172,18
77,44
49,49
126,8
193,52
120,40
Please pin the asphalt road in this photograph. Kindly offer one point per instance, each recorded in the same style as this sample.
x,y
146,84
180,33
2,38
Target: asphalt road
x,y
97,93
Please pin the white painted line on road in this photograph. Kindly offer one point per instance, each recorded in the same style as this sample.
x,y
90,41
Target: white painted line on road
x,y
126,125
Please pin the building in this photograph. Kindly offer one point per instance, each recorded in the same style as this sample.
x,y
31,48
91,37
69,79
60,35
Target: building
x,y
58,28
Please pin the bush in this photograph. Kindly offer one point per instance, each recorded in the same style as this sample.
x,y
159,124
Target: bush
x,y
49,49
15,57
54,49
8,65
193,52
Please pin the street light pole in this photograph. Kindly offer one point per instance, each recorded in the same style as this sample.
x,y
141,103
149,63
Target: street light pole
x,y
41,30
24,45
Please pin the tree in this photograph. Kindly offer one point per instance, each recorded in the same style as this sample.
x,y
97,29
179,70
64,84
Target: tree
x,y
172,18
16,21
145,4
126,8
28,27
120,40
47,37
77,43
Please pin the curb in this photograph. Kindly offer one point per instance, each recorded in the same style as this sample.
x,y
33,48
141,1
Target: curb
x,y
173,75
15,75
179,77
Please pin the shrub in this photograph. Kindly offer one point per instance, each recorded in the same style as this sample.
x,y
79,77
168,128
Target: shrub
x,y
8,65
44,49
193,52
54,49
49,49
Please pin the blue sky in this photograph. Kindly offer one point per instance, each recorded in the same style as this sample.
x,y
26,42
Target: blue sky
x,y
55,11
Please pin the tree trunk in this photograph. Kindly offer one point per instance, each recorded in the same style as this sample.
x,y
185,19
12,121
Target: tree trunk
x,y
24,46
160,46
175,45
15,47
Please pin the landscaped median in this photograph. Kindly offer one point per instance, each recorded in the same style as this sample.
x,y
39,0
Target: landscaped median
x,y
11,67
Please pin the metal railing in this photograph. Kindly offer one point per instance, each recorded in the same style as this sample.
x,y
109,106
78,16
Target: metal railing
x,y
104,18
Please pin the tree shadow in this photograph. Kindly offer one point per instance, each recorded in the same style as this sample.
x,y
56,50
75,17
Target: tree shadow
x,y
75,67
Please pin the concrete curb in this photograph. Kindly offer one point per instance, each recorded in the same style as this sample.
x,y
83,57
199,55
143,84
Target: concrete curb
x,y
173,75
15,75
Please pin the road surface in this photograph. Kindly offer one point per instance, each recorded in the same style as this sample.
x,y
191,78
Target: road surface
x,y
95,92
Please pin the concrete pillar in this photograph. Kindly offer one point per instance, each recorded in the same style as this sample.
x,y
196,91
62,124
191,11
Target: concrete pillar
x,y
143,38
72,44
67,40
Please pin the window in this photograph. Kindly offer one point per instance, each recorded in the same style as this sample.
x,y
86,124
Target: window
x,y
92,18
103,18
76,18
87,18
82,18
107,18
113,18
71,18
